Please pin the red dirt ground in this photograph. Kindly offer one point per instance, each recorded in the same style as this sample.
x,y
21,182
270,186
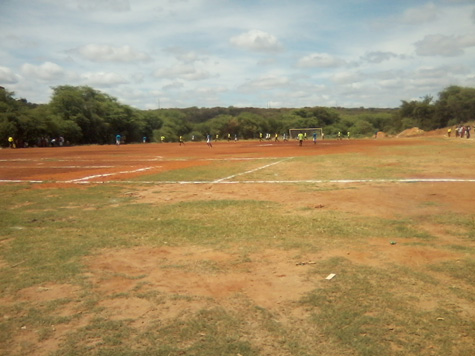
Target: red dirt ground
x,y
69,163
268,278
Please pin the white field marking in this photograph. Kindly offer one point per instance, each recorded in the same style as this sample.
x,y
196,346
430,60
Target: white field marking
x,y
21,181
106,175
252,170
56,167
338,181
307,181
239,159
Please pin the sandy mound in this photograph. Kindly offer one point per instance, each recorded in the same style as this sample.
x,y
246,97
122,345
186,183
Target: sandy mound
x,y
415,131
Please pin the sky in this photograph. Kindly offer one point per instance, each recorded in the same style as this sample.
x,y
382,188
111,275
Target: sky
x,y
153,54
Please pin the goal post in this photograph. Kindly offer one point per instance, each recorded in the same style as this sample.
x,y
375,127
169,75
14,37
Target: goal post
x,y
308,132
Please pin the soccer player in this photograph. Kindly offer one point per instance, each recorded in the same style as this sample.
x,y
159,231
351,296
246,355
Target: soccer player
x,y
117,139
300,136
314,138
208,140
180,140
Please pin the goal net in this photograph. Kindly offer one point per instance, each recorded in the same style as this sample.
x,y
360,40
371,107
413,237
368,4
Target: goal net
x,y
307,132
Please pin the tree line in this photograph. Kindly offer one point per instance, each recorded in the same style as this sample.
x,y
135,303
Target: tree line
x,y
83,115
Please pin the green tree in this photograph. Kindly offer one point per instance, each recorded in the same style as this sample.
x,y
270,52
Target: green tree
x,y
455,105
421,113
248,125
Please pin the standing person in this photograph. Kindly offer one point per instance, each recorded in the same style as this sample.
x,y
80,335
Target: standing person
x,y
348,135
276,137
468,131
229,137
314,138
260,136
323,136
339,135
117,139
235,138
300,136
162,139
449,132
11,142
208,140
284,137
180,140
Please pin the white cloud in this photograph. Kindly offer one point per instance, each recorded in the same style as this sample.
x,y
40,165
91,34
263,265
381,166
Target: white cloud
x,y
265,82
142,50
182,71
102,79
104,5
7,76
320,60
418,15
255,40
45,71
391,83
107,53
173,86
379,56
346,77
442,45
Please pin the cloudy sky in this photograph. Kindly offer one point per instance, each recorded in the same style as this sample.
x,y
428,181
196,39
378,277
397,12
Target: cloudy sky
x,y
261,53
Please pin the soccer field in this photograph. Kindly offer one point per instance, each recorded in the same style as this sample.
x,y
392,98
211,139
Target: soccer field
x,y
161,249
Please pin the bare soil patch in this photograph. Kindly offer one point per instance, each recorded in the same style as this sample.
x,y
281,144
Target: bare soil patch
x,y
144,285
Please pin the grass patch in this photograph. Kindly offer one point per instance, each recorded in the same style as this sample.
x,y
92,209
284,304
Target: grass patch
x,y
209,171
463,270
365,311
57,231
373,306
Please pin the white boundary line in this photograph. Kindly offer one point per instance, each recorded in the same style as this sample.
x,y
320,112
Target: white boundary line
x,y
86,180
251,171
226,180
106,175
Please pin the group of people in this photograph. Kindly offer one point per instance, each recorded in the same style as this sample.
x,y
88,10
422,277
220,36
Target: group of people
x,y
461,131
41,142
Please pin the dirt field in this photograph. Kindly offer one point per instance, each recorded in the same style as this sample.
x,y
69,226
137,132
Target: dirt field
x,y
272,278
106,163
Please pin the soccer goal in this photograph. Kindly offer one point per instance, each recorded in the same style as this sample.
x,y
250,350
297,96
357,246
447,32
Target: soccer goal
x,y
307,132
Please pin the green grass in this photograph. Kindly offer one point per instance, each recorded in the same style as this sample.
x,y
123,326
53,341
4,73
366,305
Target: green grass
x,y
208,171
363,310
385,308
56,233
